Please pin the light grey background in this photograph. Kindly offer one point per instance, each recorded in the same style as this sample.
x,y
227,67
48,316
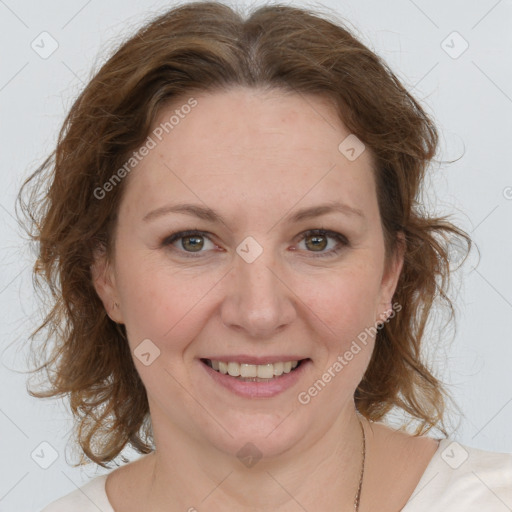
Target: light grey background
x,y
470,98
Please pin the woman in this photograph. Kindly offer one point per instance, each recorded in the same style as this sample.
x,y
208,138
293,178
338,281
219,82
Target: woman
x,y
242,276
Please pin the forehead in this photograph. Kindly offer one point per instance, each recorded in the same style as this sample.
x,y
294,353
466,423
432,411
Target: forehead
x,y
243,121
249,147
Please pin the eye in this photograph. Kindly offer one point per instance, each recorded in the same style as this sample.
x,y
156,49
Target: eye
x,y
316,240
188,242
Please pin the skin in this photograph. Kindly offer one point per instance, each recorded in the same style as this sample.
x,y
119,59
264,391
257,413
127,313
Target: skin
x,y
255,157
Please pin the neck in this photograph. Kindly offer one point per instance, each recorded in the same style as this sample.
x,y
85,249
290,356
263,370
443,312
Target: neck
x,y
320,472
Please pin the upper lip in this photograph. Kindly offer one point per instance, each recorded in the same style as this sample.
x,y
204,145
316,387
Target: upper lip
x,y
245,359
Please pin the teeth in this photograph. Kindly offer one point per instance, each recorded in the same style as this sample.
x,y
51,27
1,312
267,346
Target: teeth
x,y
261,371
265,371
244,370
234,370
278,368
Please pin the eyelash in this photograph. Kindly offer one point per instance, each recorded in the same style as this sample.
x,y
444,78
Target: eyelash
x,y
342,241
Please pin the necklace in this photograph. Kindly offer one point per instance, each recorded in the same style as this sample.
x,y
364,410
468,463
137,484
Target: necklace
x,y
358,495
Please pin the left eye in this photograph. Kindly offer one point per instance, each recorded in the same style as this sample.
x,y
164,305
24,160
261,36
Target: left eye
x,y
317,240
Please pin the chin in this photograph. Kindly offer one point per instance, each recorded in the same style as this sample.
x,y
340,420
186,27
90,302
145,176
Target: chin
x,y
261,438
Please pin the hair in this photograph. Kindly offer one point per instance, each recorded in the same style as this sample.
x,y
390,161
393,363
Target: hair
x,y
208,46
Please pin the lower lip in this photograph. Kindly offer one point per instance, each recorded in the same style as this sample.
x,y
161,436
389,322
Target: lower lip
x,y
258,389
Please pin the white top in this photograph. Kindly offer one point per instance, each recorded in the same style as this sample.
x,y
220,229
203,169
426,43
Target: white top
x,y
457,479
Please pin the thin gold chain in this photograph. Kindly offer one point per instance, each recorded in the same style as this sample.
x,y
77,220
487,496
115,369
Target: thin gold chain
x,y
358,495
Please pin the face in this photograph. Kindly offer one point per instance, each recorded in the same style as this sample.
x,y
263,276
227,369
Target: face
x,y
278,257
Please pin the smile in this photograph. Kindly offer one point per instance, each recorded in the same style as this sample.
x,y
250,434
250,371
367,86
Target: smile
x,y
252,372
264,380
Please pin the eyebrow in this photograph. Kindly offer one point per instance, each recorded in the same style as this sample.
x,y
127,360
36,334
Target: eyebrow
x,y
208,214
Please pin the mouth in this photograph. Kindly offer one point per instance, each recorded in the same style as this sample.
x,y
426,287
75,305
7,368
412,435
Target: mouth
x,y
245,372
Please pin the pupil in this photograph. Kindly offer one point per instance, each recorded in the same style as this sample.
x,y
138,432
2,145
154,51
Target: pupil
x,y
316,239
197,244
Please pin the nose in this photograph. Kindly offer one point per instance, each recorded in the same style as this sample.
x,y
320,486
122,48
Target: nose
x,y
258,300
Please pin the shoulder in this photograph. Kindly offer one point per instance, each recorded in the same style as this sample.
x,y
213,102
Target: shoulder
x,y
463,478
91,497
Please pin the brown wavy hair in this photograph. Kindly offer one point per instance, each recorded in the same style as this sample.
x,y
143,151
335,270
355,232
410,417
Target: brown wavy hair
x,y
207,46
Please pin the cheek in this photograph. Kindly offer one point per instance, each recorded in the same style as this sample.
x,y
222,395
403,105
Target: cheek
x,y
343,312
344,301
161,303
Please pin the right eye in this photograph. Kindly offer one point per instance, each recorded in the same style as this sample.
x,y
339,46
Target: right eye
x,y
189,242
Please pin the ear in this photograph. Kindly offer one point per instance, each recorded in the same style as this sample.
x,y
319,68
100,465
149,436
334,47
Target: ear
x,y
391,276
103,278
